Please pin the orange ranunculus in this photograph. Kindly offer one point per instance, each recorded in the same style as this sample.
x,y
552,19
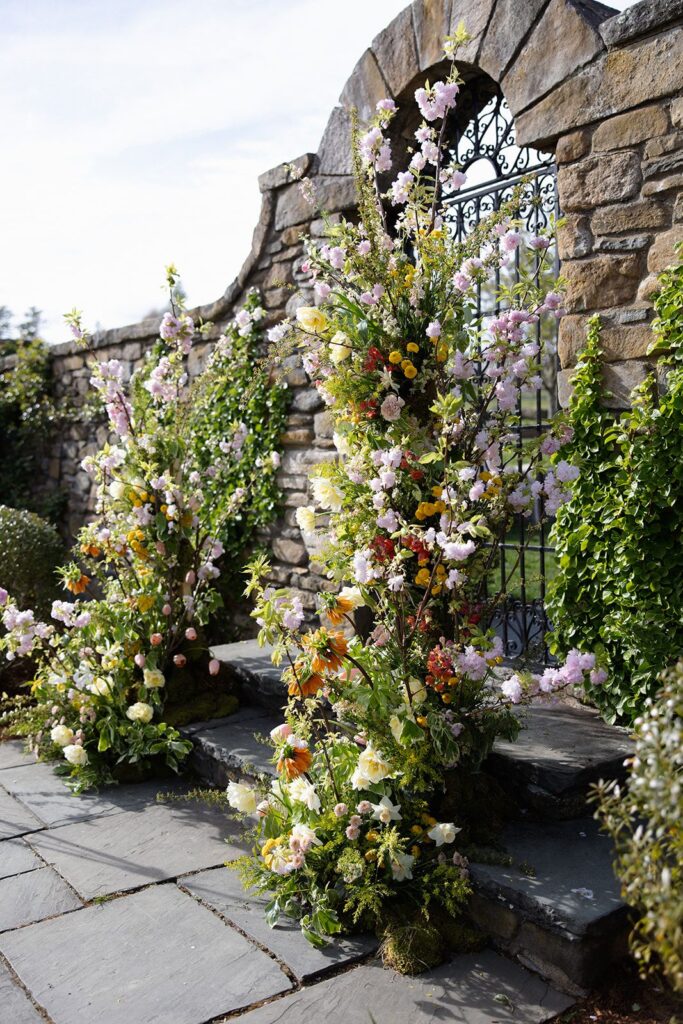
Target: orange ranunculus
x,y
302,681
327,647
294,761
78,586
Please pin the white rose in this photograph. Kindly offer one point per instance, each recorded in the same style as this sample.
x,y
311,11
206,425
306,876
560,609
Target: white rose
x,y
305,518
241,797
326,494
340,348
62,735
311,319
373,765
140,712
304,792
154,678
341,444
101,687
75,754
445,832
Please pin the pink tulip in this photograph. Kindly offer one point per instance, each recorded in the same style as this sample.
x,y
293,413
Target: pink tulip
x,y
140,660
214,667
156,639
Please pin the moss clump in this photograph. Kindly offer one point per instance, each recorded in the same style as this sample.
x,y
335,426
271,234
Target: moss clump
x,y
412,948
201,708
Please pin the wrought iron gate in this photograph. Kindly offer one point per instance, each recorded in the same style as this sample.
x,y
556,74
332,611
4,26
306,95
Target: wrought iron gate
x,y
483,143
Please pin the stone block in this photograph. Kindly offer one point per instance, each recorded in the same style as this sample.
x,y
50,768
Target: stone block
x,y
631,128
34,896
307,400
597,181
617,342
564,31
619,381
574,237
475,17
678,209
663,250
601,282
624,243
677,112
573,146
15,1003
396,52
323,424
223,891
334,151
635,216
194,968
674,182
365,87
334,193
301,435
639,20
510,23
290,551
283,173
616,82
670,164
665,144
431,23
72,363
476,988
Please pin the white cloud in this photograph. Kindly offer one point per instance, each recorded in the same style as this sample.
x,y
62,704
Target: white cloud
x,y
134,133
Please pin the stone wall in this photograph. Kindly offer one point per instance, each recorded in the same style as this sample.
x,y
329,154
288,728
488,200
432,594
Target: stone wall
x,y
601,90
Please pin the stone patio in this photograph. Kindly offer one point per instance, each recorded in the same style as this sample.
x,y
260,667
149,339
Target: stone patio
x,y
117,908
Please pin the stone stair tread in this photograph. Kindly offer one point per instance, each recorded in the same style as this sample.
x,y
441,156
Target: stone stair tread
x,y
252,667
227,747
572,888
563,748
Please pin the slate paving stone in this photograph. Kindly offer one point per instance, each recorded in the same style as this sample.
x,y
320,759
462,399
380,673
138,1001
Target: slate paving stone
x,y
15,1006
33,897
572,888
222,889
13,754
37,786
16,858
153,842
154,957
15,819
481,988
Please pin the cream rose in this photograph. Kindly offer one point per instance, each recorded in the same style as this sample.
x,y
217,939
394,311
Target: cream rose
x,y
154,678
311,319
340,347
62,735
75,754
117,489
305,518
241,797
326,494
140,712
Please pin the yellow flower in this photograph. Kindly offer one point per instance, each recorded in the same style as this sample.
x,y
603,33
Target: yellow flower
x,y
412,347
437,491
395,357
145,602
442,352
410,371
416,830
311,319
371,855
423,577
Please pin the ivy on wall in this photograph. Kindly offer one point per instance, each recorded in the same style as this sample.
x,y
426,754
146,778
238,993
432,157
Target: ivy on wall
x,y
619,588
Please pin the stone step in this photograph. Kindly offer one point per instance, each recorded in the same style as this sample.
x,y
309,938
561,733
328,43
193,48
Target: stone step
x,y
228,748
560,752
557,908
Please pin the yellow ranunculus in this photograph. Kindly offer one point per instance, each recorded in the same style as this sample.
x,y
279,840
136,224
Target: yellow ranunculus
x,y
395,357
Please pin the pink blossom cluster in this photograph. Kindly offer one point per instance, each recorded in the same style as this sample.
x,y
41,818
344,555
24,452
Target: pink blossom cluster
x,y
435,102
178,329
572,673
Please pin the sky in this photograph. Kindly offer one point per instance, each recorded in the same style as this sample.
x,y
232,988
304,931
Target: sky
x,y
134,132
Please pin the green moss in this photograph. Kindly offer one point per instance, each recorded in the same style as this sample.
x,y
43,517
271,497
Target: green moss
x,y
201,708
412,948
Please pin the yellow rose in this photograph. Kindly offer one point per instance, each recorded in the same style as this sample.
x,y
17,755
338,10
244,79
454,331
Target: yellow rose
x,y
311,319
340,348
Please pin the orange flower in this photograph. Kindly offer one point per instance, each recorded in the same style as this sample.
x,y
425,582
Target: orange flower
x,y
294,761
302,681
328,647
91,549
339,609
78,586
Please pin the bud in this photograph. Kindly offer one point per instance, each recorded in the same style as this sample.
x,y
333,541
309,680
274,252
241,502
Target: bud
x,y
214,667
191,633
179,660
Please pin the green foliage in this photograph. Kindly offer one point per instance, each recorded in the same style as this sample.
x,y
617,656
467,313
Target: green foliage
x,y
28,420
236,393
30,552
619,588
645,822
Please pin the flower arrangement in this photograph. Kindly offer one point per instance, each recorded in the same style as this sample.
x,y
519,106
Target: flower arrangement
x,y
143,581
378,789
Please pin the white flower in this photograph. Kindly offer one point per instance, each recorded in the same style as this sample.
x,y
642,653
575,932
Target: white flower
x,y
305,518
306,836
385,811
75,754
154,678
352,595
401,867
326,493
117,489
341,444
304,792
102,687
140,712
340,348
445,832
62,735
396,726
512,689
241,797
418,692
372,768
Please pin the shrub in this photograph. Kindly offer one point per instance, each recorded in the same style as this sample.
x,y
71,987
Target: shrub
x,y
645,822
30,552
619,586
